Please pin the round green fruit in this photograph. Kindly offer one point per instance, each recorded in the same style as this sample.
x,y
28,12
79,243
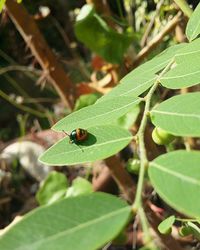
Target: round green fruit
x,y
133,166
161,137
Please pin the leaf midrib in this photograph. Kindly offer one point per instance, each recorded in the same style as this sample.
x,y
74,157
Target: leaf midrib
x,y
97,116
176,114
176,174
93,146
180,76
74,229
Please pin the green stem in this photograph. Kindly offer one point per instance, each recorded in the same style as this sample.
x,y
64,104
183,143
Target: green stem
x,y
137,205
142,149
183,5
186,220
140,137
148,242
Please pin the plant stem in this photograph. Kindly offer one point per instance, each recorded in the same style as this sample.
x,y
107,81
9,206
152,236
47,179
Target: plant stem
x,y
140,138
183,5
145,227
137,205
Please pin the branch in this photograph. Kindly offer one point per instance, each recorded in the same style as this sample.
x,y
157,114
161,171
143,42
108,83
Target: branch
x,y
156,40
150,25
40,49
121,176
183,5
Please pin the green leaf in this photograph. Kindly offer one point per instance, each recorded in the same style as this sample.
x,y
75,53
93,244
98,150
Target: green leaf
x,y
83,222
52,189
79,186
179,115
86,100
186,70
184,75
101,143
176,178
188,52
195,230
94,32
165,226
143,77
97,114
2,3
126,121
193,26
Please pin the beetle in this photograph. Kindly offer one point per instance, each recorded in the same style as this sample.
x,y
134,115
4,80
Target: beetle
x,y
77,135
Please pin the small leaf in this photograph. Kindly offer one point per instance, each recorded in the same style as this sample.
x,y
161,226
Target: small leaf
x,y
84,222
97,114
184,230
79,186
179,115
165,226
101,143
52,189
176,178
94,32
193,26
195,230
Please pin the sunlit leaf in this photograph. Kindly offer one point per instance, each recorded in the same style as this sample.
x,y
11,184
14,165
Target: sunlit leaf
x,y
98,114
143,77
101,143
79,186
165,226
53,188
193,26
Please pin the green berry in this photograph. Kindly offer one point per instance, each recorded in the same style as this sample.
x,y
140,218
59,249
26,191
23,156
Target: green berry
x,y
161,137
133,166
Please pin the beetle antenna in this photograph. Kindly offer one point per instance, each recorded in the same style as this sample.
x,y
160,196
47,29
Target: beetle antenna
x,y
65,133
80,147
